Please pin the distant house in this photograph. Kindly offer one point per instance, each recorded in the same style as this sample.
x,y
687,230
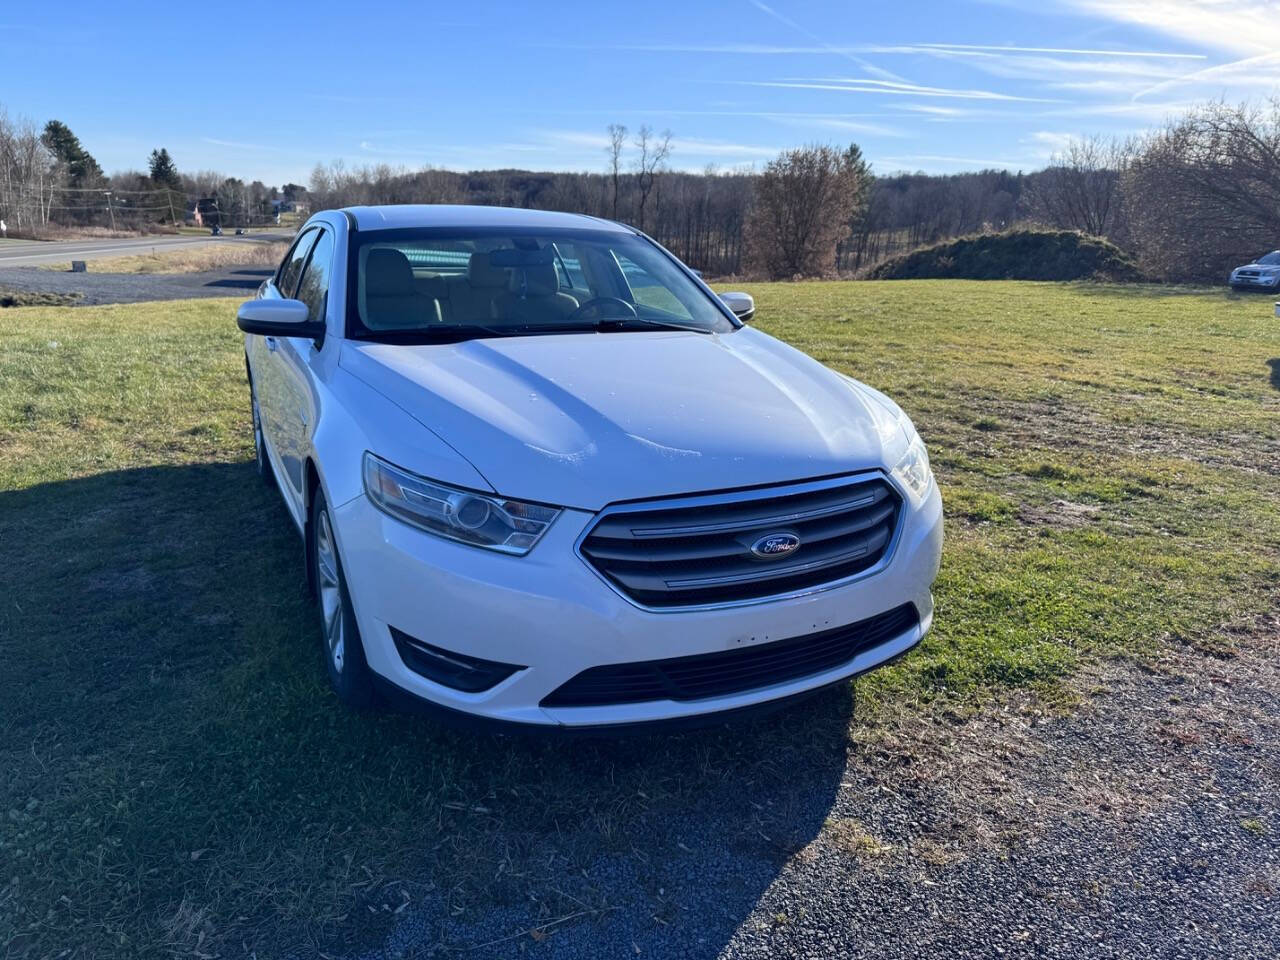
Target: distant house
x,y
291,206
206,213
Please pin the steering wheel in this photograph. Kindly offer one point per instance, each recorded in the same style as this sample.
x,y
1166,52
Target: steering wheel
x,y
596,303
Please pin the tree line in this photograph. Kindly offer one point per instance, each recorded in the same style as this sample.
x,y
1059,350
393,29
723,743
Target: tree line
x,y
1187,201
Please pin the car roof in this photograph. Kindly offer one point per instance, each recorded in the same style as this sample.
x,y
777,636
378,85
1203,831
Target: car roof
x,y
399,216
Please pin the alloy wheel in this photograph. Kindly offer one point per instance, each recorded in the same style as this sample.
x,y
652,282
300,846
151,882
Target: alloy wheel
x,y
330,583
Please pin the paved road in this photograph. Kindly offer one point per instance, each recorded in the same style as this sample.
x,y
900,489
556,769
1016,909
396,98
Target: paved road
x,y
94,288
25,253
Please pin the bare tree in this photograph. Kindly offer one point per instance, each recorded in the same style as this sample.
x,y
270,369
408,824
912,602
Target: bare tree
x,y
1080,189
28,175
617,140
1203,194
654,151
805,204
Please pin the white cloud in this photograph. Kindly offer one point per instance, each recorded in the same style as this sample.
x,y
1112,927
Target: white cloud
x,y
1242,27
994,48
866,65
944,163
1045,143
236,144
885,87
690,152
909,49
952,113
719,148
1250,75
575,138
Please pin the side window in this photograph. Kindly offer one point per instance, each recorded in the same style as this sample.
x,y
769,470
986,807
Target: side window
x,y
315,279
291,268
648,291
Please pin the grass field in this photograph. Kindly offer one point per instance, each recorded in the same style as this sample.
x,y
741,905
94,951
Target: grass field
x,y
177,779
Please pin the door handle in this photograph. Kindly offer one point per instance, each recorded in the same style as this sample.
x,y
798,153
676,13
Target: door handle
x,y
271,344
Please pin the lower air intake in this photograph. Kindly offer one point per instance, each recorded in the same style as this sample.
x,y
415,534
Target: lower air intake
x,y
731,671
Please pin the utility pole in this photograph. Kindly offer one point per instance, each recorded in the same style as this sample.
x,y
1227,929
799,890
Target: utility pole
x,y
111,210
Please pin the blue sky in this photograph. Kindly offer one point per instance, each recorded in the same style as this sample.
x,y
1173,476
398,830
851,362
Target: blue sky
x,y
264,91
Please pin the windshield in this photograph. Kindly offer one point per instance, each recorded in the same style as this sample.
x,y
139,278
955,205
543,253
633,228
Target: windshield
x,y
1271,259
442,284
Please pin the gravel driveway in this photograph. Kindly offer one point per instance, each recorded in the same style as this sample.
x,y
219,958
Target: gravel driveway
x,y
1143,823
97,288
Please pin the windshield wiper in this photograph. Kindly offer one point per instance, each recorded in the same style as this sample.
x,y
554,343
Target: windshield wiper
x,y
455,333
620,323
450,333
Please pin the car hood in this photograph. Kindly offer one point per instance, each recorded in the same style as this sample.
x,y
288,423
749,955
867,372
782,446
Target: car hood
x,y
584,420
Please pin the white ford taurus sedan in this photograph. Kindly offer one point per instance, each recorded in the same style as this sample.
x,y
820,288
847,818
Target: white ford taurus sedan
x,y
545,476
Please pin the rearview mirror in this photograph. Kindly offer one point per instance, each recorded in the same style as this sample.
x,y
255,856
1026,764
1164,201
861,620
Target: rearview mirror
x,y
278,318
742,305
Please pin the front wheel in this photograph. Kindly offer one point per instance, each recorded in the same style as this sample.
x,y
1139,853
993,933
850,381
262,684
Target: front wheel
x,y
349,673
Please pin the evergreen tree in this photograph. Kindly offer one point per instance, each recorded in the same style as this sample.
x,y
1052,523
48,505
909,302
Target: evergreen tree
x,y
82,170
163,170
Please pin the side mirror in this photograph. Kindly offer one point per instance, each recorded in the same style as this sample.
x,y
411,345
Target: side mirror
x,y
742,305
278,318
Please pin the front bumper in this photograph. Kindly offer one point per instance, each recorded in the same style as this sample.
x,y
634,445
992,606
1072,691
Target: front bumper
x,y
552,614
1262,282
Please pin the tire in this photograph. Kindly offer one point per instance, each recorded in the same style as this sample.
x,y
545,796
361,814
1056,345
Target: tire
x,y
261,461
340,643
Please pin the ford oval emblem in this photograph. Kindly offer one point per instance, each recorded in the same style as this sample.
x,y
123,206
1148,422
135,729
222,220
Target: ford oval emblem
x,y
774,545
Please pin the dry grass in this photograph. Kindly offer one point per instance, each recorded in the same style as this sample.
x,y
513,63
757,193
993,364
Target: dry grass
x,y
30,298
855,839
62,232
192,259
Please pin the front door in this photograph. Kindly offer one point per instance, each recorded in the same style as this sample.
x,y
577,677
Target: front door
x,y
295,357
271,362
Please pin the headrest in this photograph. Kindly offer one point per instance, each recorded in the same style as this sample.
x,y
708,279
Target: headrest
x,y
434,286
482,273
387,273
536,280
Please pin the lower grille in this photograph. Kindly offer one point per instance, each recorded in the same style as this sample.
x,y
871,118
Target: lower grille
x,y
731,671
725,547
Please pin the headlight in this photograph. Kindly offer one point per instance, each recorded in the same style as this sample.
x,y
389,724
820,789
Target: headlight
x,y
496,523
912,469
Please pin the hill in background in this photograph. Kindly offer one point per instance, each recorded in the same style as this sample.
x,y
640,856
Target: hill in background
x,y
1013,255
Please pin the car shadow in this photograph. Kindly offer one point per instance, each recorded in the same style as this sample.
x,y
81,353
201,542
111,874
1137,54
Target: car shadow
x,y
238,283
164,682
244,278
1274,364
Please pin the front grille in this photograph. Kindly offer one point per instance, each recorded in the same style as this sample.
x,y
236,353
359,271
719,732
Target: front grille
x,y
731,671
699,550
